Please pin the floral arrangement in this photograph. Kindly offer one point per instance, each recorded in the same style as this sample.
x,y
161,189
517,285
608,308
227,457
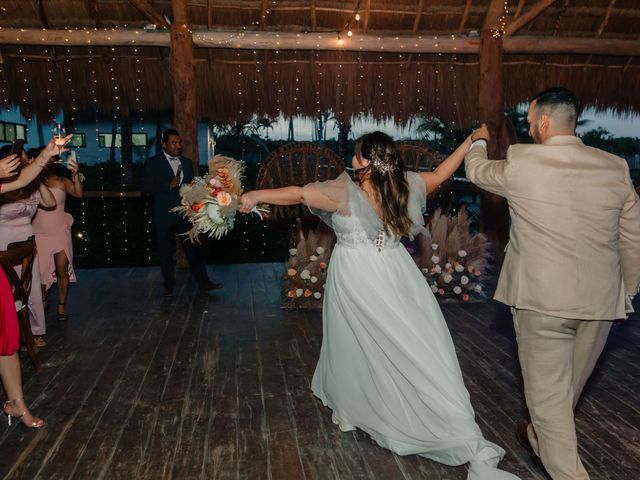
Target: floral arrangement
x,y
210,202
453,260
307,269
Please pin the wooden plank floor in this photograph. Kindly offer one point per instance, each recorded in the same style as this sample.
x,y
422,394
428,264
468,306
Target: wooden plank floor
x,y
137,386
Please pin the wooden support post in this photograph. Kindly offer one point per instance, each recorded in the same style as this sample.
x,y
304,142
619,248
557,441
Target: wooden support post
x,y
182,69
494,214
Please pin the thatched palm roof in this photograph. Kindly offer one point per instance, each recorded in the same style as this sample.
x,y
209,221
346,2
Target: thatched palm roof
x,y
234,83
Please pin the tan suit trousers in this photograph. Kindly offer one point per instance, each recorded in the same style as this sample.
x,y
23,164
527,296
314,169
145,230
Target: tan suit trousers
x,y
557,356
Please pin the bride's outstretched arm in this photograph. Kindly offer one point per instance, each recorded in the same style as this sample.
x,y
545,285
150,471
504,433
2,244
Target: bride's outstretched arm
x,y
274,196
447,168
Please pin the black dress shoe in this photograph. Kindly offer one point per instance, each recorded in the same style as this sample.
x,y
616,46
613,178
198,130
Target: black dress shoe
x,y
168,291
208,286
523,439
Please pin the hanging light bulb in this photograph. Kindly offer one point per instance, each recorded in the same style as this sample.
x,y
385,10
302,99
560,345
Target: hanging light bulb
x,y
357,17
349,33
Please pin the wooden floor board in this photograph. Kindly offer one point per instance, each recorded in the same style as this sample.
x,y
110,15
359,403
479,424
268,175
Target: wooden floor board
x,y
218,386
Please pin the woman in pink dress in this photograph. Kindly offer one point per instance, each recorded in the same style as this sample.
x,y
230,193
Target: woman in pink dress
x,y
16,211
52,229
10,373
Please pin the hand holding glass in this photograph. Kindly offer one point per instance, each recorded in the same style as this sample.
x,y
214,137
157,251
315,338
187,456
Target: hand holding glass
x,y
59,135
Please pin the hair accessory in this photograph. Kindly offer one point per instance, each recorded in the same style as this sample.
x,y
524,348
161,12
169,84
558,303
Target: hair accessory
x,y
382,165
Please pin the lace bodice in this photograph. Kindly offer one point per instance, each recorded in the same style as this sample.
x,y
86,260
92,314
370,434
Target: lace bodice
x,y
347,210
350,234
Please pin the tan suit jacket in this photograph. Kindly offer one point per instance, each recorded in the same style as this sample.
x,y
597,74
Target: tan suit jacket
x,y
574,246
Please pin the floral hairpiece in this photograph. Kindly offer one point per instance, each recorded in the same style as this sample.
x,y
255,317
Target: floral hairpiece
x,y
382,165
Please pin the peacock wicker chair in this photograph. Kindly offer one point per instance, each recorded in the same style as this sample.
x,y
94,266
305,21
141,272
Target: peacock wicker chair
x,y
420,157
297,163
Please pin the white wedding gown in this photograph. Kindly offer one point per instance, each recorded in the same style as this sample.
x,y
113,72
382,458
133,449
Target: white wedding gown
x,y
387,363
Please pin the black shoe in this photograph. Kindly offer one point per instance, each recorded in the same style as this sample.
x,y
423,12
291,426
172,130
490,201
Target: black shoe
x,y
523,439
168,291
208,286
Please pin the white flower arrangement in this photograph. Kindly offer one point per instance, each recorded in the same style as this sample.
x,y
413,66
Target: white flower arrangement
x,y
307,269
453,260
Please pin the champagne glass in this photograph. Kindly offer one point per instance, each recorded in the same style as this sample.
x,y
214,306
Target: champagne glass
x,y
59,135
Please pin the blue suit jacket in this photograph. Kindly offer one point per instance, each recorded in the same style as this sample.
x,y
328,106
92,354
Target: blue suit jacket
x,y
156,176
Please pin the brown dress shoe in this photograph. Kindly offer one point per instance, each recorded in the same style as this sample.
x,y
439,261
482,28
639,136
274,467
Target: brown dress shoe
x,y
523,439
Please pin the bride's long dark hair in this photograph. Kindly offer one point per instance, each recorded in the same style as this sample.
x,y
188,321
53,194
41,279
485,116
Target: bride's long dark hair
x,y
386,173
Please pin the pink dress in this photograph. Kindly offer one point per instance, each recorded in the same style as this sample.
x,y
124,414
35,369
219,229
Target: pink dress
x,y
9,330
15,226
53,234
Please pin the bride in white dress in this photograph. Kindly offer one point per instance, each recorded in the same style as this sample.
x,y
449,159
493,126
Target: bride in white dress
x,y
387,363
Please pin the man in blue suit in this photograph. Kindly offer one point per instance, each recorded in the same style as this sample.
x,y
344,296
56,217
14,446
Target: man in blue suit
x,y
162,176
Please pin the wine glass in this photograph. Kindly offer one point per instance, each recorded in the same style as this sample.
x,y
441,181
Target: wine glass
x,y
59,135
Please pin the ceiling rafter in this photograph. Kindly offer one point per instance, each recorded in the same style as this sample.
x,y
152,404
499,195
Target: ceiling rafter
x,y
493,14
416,21
519,8
209,13
150,13
314,20
42,14
92,6
264,13
367,11
603,25
522,20
465,16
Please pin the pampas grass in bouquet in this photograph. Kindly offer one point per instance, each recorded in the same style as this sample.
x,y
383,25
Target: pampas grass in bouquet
x,y
453,260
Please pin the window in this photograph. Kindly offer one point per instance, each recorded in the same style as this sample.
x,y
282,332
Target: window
x,y
78,140
11,131
138,140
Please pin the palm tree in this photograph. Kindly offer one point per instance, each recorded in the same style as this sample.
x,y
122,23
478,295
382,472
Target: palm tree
x,y
431,126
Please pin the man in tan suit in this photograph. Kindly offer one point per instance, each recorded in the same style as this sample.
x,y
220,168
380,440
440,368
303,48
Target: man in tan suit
x,y
571,267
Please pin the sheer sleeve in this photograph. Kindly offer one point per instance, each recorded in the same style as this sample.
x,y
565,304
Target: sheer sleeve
x,y
328,197
417,202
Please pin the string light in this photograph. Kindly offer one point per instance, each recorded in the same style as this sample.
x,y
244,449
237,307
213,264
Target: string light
x,y
499,30
145,204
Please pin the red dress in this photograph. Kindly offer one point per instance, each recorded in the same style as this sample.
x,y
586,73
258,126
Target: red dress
x,y
9,330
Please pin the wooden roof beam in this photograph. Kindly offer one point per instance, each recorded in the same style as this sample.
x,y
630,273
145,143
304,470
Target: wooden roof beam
x,y
209,13
327,41
150,13
263,14
92,5
42,15
314,20
522,20
519,9
367,11
416,22
465,16
606,19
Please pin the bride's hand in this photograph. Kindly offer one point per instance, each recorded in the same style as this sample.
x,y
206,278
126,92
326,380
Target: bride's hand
x,y
248,201
481,133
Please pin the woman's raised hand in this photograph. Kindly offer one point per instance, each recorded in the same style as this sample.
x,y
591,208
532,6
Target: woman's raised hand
x,y
51,149
481,133
9,165
248,201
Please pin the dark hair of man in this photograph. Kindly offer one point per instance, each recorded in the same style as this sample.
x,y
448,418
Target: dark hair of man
x,y
560,103
168,132
387,175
